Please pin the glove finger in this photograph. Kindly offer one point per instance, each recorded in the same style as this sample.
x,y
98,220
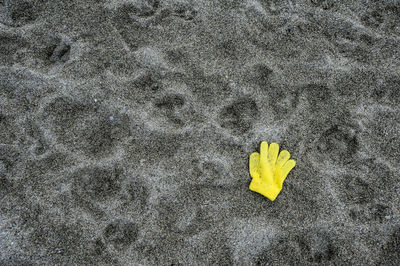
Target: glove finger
x,y
273,153
254,165
263,155
283,157
287,167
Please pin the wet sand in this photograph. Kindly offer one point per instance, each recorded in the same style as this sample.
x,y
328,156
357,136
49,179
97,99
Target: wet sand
x,y
126,127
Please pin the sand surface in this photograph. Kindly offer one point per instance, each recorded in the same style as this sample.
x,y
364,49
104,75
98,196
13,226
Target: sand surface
x,y
126,128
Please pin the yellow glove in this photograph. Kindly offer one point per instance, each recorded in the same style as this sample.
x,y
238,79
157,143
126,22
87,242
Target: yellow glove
x,y
269,170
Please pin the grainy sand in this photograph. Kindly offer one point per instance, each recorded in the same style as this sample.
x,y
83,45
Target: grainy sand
x,y
126,127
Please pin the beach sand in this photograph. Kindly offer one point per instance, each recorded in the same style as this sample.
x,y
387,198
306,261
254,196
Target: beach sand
x,y
126,128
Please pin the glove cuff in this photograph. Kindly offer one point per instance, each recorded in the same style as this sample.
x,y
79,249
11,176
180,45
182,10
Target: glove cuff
x,y
268,190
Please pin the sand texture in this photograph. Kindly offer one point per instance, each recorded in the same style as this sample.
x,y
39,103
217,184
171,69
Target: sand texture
x,y
126,128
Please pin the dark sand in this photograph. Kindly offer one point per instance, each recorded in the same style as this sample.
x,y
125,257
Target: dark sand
x,y
126,127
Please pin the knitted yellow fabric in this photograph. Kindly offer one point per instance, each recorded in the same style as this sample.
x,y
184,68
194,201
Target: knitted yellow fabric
x,y
269,170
